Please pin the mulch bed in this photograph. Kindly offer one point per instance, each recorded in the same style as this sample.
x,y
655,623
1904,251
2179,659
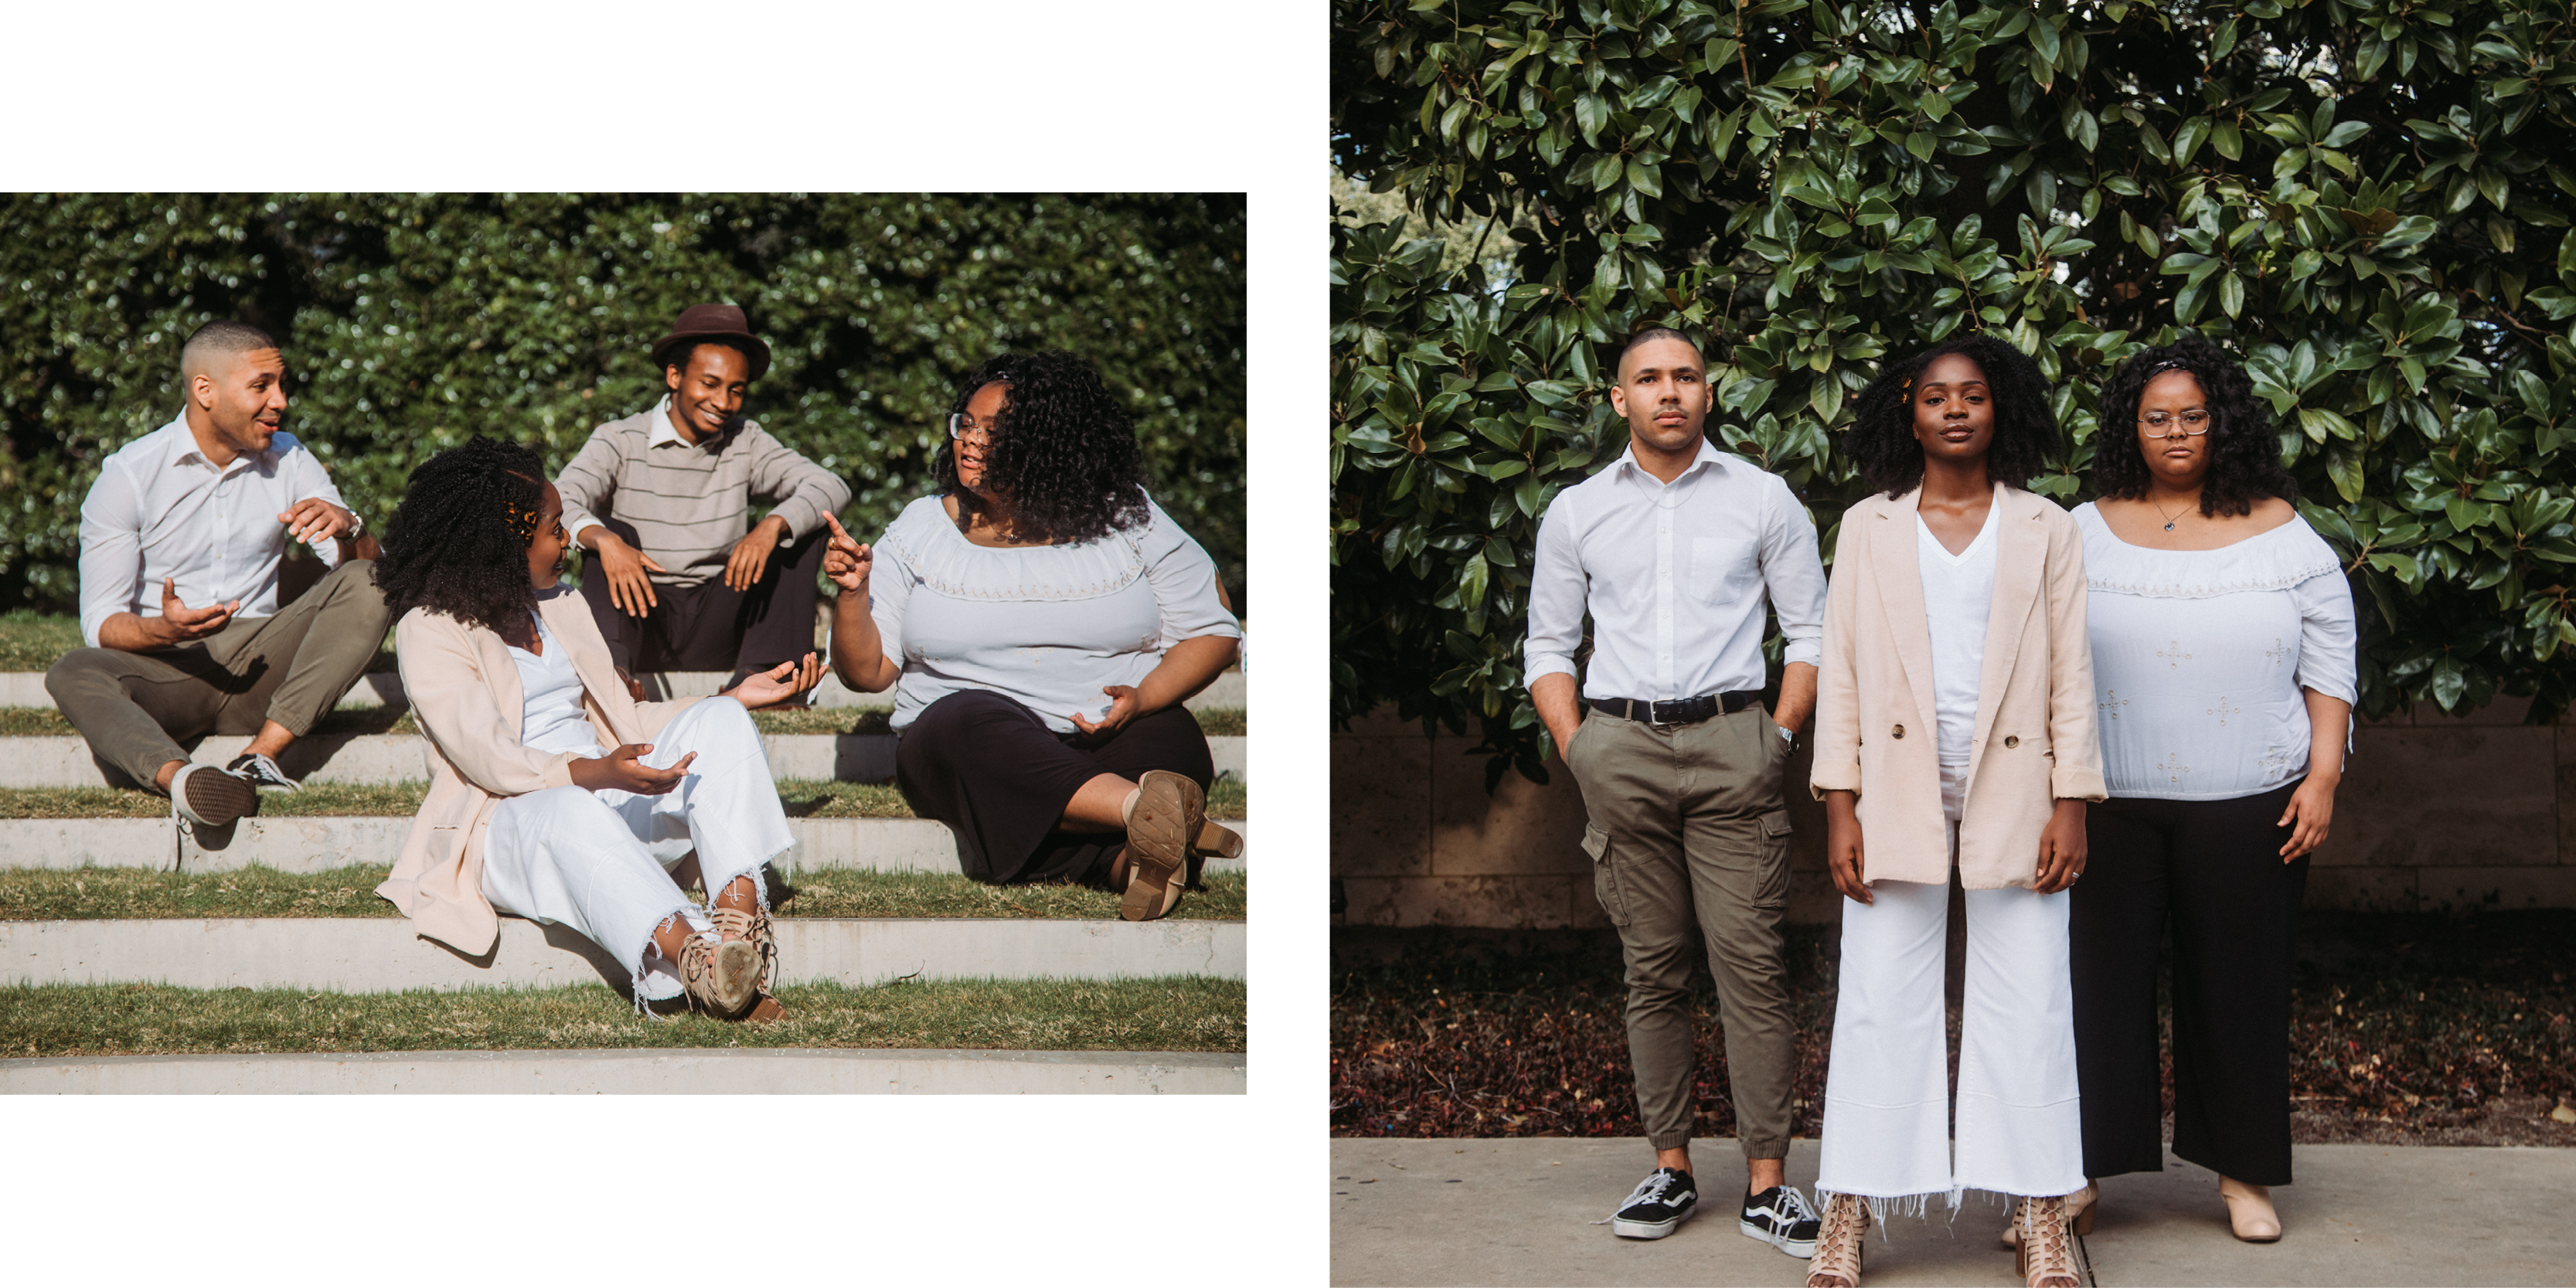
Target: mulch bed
x,y
2406,1028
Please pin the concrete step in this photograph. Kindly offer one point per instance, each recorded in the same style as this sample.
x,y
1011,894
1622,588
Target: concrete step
x,y
64,760
317,844
639,1072
367,955
379,689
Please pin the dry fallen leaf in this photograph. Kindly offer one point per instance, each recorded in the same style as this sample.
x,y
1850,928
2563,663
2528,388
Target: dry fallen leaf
x,y
2562,1114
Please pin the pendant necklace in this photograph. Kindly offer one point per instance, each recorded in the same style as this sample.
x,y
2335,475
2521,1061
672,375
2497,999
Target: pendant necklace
x,y
2174,518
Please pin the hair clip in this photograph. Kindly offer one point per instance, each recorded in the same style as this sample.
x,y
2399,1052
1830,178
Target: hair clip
x,y
524,522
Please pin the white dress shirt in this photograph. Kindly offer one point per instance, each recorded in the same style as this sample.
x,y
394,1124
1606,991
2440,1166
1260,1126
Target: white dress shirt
x,y
2200,658
161,509
1675,576
1958,597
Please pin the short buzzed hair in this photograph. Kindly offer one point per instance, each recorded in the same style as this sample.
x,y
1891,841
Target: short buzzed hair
x,y
1643,334
220,339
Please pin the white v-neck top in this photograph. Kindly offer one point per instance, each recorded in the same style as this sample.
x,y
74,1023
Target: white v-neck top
x,y
551,718
2200,656
1958,597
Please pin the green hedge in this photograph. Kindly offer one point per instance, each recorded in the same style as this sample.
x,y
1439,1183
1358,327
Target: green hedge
x,y
2364,200
410,323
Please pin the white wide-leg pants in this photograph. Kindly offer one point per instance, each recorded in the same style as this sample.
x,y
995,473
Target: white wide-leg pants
x,y
1887,1128
599,862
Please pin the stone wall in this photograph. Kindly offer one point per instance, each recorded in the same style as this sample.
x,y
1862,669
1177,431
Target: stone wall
x,y
2434,812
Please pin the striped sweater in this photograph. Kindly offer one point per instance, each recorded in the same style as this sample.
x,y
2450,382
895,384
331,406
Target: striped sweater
x,y
689,505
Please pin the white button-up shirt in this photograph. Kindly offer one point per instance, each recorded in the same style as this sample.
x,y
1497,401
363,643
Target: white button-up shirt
x,y
1675,576
161,509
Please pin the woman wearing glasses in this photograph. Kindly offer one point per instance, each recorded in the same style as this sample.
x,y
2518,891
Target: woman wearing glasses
x,y
2224,666
1041,621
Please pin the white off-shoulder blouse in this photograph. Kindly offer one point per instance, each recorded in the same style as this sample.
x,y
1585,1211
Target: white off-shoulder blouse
x,y
2200,656
1048,626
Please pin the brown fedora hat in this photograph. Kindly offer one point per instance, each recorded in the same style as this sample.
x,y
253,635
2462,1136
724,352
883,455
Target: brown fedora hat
x,y
712,322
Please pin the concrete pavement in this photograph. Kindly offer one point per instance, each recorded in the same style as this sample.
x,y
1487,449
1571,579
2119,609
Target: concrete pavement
x,y
1519,1212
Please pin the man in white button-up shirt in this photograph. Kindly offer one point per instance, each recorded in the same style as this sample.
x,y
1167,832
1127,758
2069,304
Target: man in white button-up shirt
x,y
1675,551
181,538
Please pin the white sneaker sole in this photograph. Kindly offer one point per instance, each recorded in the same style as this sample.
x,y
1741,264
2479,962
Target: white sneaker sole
x,y
1647,1229
1802,1251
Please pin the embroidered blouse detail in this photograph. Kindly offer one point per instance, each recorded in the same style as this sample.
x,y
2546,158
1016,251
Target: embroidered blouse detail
x,y
2200,657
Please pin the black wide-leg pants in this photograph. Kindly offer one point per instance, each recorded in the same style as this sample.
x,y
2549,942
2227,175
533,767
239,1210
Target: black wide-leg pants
x,y
2214,869
990,769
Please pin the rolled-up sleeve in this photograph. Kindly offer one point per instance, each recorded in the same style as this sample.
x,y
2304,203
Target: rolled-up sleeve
x,y
1793,575
2329,661
111,550
312,482
1557,593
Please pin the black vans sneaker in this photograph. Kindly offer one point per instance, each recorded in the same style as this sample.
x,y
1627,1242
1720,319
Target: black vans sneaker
x,y
1779,1216
1660,1202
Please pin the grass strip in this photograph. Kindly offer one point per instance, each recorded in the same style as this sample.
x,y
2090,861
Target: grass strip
x,y
803,798
33,641
84,894
1170,1014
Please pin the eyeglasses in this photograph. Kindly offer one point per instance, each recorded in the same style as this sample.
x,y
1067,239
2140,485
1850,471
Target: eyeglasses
x,y
960,425
2161,424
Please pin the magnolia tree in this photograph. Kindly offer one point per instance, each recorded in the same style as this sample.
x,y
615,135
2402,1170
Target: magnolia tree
x,y
2361,200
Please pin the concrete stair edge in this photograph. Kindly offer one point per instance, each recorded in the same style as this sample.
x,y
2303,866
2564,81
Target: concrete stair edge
x,y
65,760
317,844
658,1071
361,955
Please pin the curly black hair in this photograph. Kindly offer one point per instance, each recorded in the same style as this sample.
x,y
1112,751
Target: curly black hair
x,y
454,546
1881,439
2244,458
1064,451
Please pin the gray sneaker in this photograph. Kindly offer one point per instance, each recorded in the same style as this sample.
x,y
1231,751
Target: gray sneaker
x,y
205,796
260,771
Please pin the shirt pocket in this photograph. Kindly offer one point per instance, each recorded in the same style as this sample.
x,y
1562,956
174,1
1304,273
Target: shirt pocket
x,y
1722,567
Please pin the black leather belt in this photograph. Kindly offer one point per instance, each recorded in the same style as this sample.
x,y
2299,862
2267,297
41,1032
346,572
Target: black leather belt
x,y
1679,711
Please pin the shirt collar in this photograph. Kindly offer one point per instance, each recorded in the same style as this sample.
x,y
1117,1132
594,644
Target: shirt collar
x,y
1708,456
183,448
663,430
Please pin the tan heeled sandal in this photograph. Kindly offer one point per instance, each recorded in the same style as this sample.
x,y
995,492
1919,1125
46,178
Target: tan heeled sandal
x,y
2249,1211
2079,1214
1837,1260
2045,1255
719,976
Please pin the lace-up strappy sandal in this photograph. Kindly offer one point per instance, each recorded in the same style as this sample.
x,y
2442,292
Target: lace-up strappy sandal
x,y
2079,1214
754,928
719,976
2045,1255
1170,810
1837,1260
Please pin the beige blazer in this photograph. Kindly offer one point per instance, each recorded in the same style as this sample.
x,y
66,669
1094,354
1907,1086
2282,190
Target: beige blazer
x,y
2034,742
464,692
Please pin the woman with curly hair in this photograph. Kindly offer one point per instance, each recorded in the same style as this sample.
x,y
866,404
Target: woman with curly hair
x,y
2223,647
1041,621
545,799
1954,717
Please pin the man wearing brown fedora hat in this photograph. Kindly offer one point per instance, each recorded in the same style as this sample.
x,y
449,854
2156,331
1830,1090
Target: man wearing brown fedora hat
x,y
679,579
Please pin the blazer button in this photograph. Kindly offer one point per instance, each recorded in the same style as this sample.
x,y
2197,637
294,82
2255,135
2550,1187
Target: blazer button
x,y
1897,732
2013,740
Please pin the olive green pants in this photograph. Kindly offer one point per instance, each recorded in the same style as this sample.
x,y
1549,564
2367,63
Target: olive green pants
x,y
1689,839
292,667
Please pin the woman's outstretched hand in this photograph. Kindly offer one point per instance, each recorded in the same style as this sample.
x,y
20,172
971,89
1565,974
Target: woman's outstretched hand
x,y
779,683
625,770
1122,708
846,560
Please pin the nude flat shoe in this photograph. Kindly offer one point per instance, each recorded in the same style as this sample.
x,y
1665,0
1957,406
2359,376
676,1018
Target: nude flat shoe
x,y
1169,811
2249,1211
